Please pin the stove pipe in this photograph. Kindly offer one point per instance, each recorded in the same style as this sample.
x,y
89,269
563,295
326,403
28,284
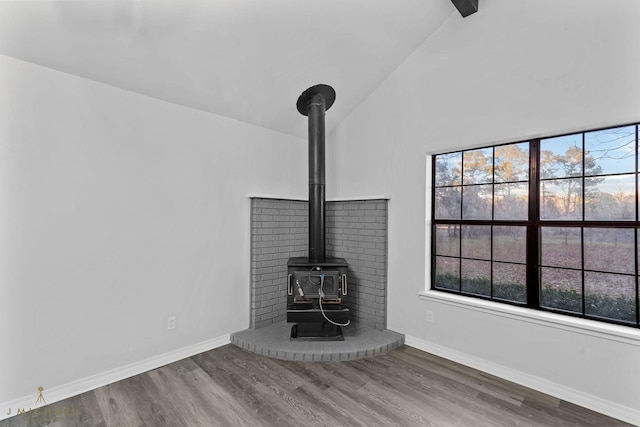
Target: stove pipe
x,y
313,103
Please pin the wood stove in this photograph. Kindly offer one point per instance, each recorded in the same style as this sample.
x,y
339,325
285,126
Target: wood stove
x,y
317,286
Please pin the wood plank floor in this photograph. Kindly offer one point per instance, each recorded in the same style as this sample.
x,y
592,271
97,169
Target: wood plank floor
x,y
228,386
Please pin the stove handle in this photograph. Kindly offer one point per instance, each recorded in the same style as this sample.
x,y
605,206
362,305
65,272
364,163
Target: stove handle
x,y
289,288
344,284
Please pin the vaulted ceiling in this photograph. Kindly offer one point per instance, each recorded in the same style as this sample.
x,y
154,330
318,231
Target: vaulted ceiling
x,y
245,59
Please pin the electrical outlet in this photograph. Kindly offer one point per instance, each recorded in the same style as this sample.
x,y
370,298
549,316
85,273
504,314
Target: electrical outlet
x,y
171,323
429,316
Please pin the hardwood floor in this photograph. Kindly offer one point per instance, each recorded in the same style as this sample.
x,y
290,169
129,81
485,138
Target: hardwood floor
x,y
228,386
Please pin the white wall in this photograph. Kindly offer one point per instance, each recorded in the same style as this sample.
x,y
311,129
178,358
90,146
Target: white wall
x,y
514,70
116,211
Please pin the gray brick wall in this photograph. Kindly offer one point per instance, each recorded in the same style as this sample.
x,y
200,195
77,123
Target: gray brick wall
x,y
279,230
355,231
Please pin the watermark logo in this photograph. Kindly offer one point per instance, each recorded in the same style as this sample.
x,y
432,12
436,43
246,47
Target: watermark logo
x,y
44,414
40,398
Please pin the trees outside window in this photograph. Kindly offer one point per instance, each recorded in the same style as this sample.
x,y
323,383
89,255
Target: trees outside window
x,y
550,224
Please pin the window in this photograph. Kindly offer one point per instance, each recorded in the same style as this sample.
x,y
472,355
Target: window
x,y
550,224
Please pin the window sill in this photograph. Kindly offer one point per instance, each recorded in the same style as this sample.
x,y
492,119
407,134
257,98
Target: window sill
x,y
576,325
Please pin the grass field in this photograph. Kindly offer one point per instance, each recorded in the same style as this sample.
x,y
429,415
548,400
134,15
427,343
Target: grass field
x,y
606,289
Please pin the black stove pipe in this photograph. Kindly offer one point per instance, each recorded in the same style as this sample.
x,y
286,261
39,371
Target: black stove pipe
x,y
314,102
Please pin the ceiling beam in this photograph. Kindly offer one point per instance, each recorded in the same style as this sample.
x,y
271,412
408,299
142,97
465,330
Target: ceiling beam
x,y
466,7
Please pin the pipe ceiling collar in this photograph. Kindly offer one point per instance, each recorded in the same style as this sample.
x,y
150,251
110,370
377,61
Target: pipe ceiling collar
x,y
305,98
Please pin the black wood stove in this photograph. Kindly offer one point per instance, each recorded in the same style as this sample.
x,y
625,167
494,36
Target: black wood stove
x,y
317,294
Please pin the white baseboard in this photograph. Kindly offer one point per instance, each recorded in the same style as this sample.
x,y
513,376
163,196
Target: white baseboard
x,y
594,403
74,388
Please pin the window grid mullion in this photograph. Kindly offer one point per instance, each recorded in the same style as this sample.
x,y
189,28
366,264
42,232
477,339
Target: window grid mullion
x,y
584,300
584,217
462,184
584,182
533,227
635,236
493,217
